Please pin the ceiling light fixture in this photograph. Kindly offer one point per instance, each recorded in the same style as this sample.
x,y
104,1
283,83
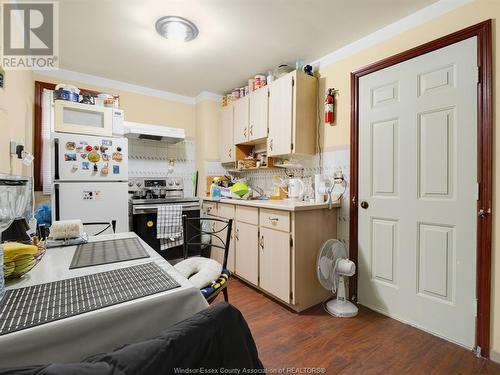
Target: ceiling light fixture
x,y
176,28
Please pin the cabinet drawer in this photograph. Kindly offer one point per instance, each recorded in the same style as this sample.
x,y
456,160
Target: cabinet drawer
x,y
248,215
226,211
274,219
210,208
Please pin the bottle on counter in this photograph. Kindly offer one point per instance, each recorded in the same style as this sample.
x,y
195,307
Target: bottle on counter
x,y
215,192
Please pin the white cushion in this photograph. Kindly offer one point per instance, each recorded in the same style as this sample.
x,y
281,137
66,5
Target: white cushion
x,y
200,271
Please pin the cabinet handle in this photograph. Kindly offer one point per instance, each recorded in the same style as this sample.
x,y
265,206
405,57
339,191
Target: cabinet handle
x,y
245,132
262,242
251,129
230,152
274,219
271,144
236,234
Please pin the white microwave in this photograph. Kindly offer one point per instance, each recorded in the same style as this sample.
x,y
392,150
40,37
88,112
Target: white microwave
x,y
78,118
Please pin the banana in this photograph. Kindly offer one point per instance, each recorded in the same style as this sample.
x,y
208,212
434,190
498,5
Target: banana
x,y
8,268
24,267
26,259
12,250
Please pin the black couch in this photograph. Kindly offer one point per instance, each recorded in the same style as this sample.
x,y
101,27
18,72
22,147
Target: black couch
x,y
215,338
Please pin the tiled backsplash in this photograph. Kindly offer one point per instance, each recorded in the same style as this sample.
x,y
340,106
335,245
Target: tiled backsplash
x,y
333,161
151,159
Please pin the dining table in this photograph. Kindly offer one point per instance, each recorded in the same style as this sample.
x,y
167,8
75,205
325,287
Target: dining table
x,y
97,330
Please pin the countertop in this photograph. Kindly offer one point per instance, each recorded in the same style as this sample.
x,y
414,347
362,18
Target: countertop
x,y
284,205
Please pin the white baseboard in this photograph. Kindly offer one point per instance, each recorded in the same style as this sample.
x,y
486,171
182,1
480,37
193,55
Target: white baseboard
x,y
495,356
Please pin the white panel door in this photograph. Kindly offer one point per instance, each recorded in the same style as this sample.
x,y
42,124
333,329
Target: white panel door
x,y
418,191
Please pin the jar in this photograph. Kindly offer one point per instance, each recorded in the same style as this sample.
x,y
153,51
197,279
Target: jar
x,y
236,94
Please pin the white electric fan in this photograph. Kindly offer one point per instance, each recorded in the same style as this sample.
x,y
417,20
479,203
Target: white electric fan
x,y
332,267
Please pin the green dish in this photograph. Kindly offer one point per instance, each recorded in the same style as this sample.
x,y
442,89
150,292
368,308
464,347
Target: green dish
x,y
239,188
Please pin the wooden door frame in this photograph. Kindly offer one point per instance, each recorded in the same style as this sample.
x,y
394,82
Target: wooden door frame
x,y
484,161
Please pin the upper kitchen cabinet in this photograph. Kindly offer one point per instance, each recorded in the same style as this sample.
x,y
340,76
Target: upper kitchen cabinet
x,y
227,149
241,117
292,115
258,114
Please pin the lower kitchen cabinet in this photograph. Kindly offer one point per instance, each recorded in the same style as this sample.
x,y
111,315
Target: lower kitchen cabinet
x,y
246,251
276,250
274,266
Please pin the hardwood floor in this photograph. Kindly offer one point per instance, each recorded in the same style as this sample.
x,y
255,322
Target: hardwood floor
x,y
368,344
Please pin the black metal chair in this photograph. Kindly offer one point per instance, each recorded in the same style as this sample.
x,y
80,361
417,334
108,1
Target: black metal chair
x,y
209,232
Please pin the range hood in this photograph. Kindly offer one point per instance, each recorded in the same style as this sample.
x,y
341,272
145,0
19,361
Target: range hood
x,y
153,132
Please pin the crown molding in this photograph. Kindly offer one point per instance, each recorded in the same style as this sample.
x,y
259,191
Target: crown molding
x,y
422,16
118,85
207,95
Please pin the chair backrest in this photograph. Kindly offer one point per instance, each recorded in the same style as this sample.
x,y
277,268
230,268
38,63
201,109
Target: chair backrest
x,y
217,230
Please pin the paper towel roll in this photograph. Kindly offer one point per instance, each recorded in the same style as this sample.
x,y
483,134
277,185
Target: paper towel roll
x,y
66,229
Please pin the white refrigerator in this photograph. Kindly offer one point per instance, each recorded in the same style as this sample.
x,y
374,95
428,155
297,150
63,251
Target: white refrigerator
x,y
90,181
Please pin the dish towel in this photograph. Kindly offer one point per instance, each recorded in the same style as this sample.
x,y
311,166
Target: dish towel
x,y
169,226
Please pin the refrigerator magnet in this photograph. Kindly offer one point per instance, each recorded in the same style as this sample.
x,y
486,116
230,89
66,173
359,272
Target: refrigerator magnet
x,y
70,157
105,157
83,156
117,156
85,165
94,157
105,169
107,142
88,148
70,146
116,169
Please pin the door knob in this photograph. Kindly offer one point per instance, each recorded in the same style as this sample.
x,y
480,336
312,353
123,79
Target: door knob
x,y
364,205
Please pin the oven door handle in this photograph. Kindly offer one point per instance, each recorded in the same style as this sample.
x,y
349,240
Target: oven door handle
x,y
148,209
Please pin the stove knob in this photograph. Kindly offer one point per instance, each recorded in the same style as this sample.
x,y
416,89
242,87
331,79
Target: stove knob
x,y
131,183
170,183
138,183
177,182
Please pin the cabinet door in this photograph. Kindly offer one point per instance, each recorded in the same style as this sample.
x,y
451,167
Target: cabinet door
x,y
275,263
279,140
227,153
258,102
247,253
241,120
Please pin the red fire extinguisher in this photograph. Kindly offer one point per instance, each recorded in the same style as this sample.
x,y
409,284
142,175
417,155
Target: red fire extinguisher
x,y
330,106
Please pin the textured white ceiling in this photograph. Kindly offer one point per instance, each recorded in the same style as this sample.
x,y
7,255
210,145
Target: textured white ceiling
x,y
117,39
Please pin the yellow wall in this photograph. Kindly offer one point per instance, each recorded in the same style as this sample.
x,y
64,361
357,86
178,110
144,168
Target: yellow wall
x,y
16,119
142,108
207,138
338,75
